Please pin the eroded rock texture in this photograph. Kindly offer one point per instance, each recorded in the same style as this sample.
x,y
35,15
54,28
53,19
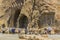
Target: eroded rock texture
x,y
28,13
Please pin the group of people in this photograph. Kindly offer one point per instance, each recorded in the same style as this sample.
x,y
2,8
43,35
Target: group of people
x,y
9,30
47,30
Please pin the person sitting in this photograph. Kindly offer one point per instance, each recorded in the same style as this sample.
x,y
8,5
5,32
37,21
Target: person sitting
x,y
49,29
13,30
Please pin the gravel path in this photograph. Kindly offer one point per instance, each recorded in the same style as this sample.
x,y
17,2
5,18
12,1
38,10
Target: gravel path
x,y
9,37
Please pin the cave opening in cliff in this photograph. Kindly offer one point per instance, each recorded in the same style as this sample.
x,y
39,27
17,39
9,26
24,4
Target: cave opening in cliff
x,y
16,15
47,19
23,22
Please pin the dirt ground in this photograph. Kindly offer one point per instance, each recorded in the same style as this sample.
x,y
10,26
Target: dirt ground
x,y
40,37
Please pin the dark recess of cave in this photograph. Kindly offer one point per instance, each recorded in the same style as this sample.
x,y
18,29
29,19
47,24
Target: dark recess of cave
x,y
47,19
23,23
16,15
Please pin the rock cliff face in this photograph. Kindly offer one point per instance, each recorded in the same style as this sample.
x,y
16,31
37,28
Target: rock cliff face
x,y
28,13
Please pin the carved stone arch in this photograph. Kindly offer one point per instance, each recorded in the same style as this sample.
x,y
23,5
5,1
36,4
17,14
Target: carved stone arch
x,y
23,21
